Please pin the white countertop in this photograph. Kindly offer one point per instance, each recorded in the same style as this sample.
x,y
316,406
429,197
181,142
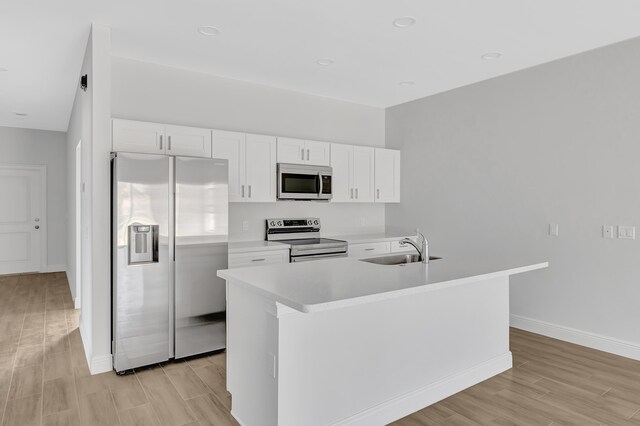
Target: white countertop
x,y
334,283
251,246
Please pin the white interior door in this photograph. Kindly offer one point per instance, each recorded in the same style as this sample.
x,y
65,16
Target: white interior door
x,y
21,219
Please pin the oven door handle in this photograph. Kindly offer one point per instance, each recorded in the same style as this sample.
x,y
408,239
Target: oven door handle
x,y
312,257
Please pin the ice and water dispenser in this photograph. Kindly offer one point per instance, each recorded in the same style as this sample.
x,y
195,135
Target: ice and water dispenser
x,y
143,244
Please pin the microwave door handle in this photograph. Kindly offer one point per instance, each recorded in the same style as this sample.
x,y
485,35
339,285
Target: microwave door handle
x,y
319,185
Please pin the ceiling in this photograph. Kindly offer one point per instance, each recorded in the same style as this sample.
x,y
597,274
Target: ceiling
x,y
277,43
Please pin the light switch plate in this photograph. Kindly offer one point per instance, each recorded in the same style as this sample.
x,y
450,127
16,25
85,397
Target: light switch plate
x,y
554,229
607,231
626,232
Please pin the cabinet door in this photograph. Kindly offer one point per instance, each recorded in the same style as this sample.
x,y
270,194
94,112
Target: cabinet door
x,y
363,173
318,153
387,175
368,249
258,258
138,136
230,146
342,165
189,141
291,151
260,168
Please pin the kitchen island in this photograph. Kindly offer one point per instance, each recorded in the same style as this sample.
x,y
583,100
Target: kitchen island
x,y
343,341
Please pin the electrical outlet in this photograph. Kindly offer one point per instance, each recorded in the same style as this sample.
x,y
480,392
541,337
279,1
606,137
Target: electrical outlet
x,y
553,229
245,225
607,231
626,232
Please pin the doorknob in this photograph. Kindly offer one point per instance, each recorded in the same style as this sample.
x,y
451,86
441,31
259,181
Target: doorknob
x,y
37,226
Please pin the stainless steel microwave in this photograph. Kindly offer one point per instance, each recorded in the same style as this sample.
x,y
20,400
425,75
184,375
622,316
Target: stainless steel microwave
x,y
304,182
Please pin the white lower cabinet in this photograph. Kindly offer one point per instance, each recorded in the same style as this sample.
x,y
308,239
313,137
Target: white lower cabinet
x,y
257,258
369,249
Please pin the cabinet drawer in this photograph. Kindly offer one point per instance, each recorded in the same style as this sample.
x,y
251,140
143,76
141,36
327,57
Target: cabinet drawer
x,y
397,247
370,249
257,258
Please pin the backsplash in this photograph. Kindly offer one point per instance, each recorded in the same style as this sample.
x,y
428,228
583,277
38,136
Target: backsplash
x,y
337,218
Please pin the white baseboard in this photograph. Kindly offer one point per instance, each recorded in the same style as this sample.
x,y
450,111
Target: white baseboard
x,y
55,268
579,337
409,403
101,364
97,364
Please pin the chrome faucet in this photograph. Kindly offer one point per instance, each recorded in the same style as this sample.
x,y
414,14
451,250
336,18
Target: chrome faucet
x,y
423,248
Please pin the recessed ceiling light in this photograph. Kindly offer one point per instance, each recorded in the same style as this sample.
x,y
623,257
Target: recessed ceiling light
x,y
2,69
325,62
491,56
407,83
208,30
20,115
404,22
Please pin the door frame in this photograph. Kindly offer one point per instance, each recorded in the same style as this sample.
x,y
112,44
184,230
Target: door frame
x,y
42,169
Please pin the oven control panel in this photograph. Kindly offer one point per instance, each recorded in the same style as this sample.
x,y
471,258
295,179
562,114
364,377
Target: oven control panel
x,y
293,223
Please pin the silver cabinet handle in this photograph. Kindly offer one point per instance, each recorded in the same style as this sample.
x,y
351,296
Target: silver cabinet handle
x,y
356,193
369,249
258,260
352,193
169,143
302,154
242,191
307,155
249,191
160,142
377,193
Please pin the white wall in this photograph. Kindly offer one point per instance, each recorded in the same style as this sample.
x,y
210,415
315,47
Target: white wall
x,y
149,92
90,123
487,167
42,147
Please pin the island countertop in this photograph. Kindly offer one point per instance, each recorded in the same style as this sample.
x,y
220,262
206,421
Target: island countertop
x,y
334,283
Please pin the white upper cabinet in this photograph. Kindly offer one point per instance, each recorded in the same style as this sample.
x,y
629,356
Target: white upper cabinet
x,y
363,173
298,151
341,178
252,165
230,146
353,173
260,168
155,138
138,136
387,175
189,141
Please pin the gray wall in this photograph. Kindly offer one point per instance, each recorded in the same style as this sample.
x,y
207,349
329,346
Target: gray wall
x,y
43,147
487,167
149,92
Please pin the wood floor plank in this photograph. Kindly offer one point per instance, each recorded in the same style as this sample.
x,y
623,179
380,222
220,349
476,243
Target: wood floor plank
x,y
29,355
127,392
59,395
186,381
97,409
143,415
210,411
26,411
216,379
63,418
26,381
172,410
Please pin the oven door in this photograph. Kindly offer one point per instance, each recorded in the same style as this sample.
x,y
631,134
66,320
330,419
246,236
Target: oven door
x,y
301,182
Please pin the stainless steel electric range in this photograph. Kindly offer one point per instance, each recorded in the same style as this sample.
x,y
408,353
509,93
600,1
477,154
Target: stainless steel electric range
x,y
303,235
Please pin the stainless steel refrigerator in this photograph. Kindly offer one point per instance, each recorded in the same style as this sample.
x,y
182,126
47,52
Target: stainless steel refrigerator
x,y
170,236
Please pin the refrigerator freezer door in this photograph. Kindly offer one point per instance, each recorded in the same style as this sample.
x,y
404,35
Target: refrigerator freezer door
x,y
201,212
141,285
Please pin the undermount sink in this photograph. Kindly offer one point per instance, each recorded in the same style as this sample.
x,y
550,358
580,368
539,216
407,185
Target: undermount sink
x,y
396,259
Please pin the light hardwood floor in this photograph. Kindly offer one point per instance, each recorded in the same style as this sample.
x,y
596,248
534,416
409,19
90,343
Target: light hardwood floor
x,y
44,379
